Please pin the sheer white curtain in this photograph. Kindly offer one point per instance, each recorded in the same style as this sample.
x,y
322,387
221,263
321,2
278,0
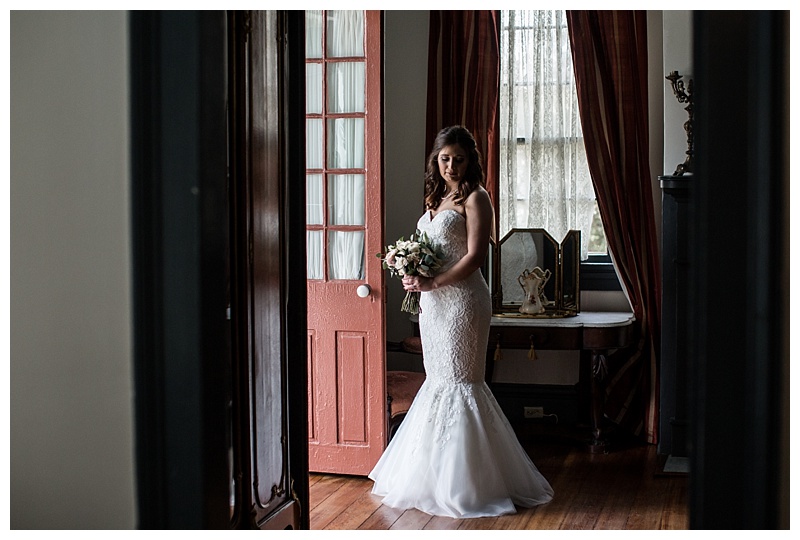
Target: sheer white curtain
x,y
346,207
544,178
343,143
345,33
343,77
314,216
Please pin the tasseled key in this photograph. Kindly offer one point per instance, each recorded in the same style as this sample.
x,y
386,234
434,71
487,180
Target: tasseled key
x,y
532,352
498,355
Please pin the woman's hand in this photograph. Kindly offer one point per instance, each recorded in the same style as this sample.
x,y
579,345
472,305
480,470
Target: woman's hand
x,y
417,283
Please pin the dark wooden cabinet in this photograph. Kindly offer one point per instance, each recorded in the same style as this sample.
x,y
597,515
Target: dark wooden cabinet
x,y
674,271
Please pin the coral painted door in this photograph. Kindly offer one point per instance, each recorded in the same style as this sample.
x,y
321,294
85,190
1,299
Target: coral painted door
x,y
346,337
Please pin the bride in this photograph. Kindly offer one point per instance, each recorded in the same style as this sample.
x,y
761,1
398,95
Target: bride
x,y
455,454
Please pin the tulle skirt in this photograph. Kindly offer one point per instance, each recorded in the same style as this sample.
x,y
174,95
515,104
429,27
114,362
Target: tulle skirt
x,y
456,455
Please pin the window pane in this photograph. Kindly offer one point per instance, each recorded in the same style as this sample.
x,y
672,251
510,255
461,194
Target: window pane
x,y
346,254
345,33
314,254
314,199
544,177
346,199
313,143
314,33
346,143
346,87
314,88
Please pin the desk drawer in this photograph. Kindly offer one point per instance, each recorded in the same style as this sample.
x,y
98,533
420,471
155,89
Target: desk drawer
x,y
615,337
551,338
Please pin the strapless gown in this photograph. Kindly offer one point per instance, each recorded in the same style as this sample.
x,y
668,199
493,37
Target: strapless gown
x,y
455,454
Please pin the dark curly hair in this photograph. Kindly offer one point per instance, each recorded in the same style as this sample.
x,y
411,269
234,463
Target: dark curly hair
x,y
435,184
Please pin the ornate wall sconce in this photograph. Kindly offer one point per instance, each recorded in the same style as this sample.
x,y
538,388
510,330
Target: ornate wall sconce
x,y
684,95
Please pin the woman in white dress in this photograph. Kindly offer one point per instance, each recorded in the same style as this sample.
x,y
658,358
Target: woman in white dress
x,y
455,454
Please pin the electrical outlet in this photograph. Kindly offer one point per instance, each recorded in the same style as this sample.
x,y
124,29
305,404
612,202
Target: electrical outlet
x,y
534,412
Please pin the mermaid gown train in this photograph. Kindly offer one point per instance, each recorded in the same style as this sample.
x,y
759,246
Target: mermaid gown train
x,y
455,454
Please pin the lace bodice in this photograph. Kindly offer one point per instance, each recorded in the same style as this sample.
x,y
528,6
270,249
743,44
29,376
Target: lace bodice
x,y
454,320
448,230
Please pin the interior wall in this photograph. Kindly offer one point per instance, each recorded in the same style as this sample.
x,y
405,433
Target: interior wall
x,y
72,448
655,42
677,56
405,89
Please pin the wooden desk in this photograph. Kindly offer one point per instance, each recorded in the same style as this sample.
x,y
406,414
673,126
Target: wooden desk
x,y
594,334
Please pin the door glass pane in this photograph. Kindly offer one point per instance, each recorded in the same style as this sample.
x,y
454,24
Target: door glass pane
x,y
313,143
314,199
346,254
314,88
346,143
314,33
314,254
346,87
345,33
346,199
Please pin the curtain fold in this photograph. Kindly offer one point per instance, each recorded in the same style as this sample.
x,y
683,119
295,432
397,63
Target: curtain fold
x,y
609,50
463,81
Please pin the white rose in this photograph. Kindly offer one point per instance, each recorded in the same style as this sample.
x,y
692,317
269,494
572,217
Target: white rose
x,y
390,257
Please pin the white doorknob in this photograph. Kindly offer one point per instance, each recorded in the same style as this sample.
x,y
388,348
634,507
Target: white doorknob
x,y
363,291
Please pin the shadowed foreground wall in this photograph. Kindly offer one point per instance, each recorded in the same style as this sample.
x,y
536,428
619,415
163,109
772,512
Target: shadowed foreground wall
x,y
72,453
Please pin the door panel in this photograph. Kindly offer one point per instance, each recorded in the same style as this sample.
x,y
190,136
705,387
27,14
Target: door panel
x,y
352,378
347,397
268,304
312,403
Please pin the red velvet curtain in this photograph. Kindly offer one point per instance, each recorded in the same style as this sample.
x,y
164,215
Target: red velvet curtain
x,y
463,81
609,51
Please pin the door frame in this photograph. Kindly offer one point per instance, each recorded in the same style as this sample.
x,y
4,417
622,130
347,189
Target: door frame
x,y
738,348
266,160
180,269
179,238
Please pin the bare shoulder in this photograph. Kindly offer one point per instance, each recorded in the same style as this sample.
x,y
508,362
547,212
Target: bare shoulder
x,y
479,213
479,201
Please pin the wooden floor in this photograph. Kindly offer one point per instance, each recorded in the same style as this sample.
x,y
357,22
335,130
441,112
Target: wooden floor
x,y
619,490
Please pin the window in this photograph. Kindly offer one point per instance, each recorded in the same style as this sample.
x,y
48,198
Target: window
x,y
544,177
335,157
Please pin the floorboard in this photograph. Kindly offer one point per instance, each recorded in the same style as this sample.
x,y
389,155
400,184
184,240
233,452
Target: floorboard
x,y
619,490
381,519
442,523
411,520
358,508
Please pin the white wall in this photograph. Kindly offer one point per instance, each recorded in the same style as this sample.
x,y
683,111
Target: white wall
x,y
72,453
677,56
405,87
655,87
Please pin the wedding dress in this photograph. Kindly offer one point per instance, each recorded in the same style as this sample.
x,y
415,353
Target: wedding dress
x,y
455,454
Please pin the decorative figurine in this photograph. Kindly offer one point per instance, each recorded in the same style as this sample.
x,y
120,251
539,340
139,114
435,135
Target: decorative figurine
x,y
533,282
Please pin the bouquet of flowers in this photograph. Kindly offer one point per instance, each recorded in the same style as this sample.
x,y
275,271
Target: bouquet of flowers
x,y
416,256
